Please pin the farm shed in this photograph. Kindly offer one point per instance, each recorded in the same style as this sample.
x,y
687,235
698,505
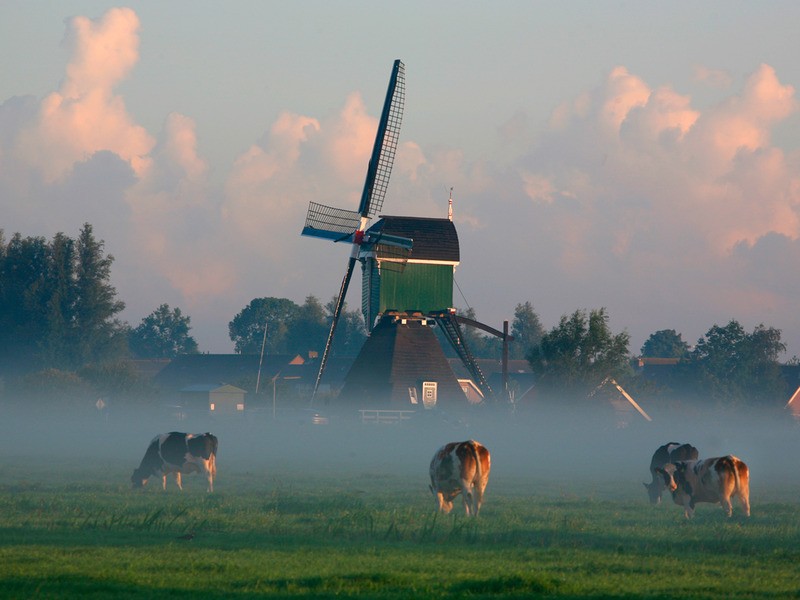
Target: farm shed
x,y
217,398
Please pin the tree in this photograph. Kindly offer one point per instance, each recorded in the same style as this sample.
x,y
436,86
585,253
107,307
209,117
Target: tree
x,y
59,301
22,301
578,354
56,306
351,331
246,330
98,337
309,328
665,343
164,333
731,366
527,331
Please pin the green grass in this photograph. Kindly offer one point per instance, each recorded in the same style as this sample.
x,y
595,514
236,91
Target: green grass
x,y
66,532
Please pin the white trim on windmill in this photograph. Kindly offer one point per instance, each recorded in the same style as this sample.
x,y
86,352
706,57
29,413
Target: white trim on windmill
x,y
794,403
625,395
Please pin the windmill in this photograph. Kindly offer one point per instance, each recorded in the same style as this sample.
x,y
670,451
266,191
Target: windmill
x,y
342,225
400,300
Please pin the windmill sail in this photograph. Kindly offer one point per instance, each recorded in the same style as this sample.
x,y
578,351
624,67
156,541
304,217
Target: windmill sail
x,y
342,225
380,164
331,223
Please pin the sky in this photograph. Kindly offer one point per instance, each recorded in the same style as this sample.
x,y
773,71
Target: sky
x,y
643,157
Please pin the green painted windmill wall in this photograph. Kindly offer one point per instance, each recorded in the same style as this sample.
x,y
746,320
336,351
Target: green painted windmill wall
x,y
425,282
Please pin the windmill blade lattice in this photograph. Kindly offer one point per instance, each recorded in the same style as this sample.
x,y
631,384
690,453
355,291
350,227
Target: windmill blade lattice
x,y
383,152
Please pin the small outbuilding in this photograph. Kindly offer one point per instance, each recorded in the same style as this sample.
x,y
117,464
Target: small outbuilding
x,y
216,398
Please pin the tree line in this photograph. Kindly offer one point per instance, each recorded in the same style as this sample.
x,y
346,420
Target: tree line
x,y
59,314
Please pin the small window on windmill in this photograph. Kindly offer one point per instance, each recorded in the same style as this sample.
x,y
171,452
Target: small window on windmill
x,y
429,391
412,395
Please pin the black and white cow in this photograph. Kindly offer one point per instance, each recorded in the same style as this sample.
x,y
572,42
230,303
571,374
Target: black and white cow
x,y
460,467
178,453
668,453
714,480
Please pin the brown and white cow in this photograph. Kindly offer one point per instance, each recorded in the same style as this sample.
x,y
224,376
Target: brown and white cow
x,y
460,467
713,480
668,453
178,453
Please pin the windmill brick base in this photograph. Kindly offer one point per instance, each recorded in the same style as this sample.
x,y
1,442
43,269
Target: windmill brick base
x,y
401,353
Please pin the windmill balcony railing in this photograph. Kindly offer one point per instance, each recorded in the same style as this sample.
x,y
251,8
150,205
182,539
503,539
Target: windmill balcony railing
x,y
386,416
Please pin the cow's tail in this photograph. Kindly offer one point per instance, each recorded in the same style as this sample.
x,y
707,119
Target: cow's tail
x,y
476,483
736,464
473,448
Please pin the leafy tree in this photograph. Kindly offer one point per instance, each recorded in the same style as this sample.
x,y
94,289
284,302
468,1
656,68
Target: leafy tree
x,y
59,301
666,343
56,306
527,331
97,336
118,383
351,332
578,354
247,328
51,388
22,301
309,328
164,333
731,366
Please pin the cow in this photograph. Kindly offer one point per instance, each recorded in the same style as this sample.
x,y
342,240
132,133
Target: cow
x,y
713,480
460,467
178,453
668,453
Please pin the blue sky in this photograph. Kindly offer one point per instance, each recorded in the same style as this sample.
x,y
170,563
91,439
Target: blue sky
x,y
639,156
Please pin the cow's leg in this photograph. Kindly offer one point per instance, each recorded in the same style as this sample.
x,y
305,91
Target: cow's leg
x,y
212,472
478,493
178,480
725,501
744,500
688,508
209,475
469,497
164,482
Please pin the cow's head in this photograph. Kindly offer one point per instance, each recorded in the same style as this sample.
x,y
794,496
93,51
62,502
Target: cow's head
x,y
654,491
139,479
667,473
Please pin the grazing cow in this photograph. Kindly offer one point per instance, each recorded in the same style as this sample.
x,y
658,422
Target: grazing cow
x,y
668,453
460,467
713,480
178,453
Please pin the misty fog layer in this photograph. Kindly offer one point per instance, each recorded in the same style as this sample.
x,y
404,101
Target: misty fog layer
x,y
532,453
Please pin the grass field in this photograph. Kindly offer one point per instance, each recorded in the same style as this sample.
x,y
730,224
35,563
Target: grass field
x,y
315,512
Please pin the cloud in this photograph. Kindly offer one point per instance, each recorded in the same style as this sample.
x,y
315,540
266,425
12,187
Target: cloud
x,y
637,181
85,116
716,78
631,196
